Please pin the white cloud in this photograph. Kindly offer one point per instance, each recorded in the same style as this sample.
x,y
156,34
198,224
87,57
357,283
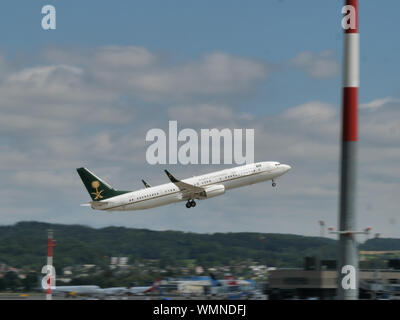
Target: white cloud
x,y
217,74
93,87
319,66
45,76
44,179
3,66
380,122
124,57
151,76
206,115
314,111
378,103
17,123
88,109
11,158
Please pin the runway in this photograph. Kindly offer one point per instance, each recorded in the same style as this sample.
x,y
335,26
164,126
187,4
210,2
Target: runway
x,y
42,296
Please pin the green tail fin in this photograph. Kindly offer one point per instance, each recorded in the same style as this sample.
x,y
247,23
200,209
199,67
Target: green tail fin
x,y
97,188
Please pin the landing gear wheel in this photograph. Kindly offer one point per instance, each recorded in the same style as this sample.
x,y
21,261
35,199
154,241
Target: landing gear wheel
x,y
188,205
273,183
193,203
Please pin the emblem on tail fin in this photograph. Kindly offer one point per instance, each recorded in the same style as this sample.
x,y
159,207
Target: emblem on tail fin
x,y
97,194
98,189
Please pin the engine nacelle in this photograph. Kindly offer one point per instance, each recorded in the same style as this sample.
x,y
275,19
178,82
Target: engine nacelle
x,y
213,191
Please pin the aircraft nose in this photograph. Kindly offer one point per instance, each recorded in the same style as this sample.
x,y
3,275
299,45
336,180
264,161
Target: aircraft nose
x,y
287,167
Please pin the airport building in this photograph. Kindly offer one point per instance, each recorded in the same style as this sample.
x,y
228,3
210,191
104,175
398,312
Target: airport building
x,y
318,280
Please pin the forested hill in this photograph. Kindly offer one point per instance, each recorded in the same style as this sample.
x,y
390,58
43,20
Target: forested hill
x,y
24,244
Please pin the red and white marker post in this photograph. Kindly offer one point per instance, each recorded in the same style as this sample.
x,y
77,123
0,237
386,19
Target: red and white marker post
x,y
50,244
348,254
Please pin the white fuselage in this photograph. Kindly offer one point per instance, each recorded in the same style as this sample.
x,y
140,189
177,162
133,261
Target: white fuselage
x,y
78,290
169,193
96,291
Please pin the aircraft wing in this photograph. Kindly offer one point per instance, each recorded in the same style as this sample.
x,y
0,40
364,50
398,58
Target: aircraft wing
x,y
188,190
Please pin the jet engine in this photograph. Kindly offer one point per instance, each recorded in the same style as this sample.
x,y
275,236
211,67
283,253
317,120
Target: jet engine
x,y
213,191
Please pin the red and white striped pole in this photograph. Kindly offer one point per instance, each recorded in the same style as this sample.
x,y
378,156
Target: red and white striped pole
x,y
50,280
351,77
348,253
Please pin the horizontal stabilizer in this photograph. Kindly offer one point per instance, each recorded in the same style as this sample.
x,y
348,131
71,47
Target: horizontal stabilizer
x,y
96,204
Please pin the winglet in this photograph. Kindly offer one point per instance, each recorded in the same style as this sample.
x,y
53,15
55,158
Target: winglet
x,y
146,184
171,177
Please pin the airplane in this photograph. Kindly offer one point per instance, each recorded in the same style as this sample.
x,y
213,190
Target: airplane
x,y
104,197
97,292
119,291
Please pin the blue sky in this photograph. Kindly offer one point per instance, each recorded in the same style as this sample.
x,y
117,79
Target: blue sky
x,y
272,30
87,93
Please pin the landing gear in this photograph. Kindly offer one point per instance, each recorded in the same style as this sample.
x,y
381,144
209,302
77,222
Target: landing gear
x,y
190,203
273,183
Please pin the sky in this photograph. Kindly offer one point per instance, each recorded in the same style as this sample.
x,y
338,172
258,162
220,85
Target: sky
x,y
86,94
